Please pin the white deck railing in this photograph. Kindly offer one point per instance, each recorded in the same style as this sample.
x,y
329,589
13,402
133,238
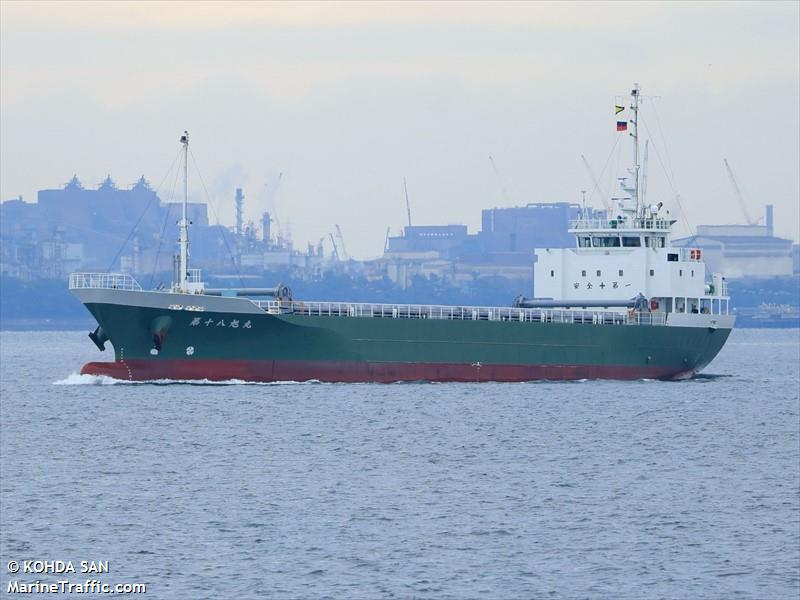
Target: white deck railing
x,y
656,223
103,281
459,313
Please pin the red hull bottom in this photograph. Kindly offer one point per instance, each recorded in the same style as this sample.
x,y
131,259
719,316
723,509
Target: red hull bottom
x,y
361,372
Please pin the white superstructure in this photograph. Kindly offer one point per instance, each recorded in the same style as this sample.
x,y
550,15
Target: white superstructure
x,y
630,253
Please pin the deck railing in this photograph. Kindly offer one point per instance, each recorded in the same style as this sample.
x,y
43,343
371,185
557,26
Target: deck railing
x,y
459,313
103,281
652,223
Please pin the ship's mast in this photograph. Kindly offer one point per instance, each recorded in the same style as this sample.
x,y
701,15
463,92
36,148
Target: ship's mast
x,y
635,136
184,223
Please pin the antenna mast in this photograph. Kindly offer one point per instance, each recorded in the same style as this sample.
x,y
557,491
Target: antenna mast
x,y
644,173
184,222
635,135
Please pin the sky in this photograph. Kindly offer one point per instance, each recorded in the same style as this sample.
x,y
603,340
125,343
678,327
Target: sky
x,y
347,99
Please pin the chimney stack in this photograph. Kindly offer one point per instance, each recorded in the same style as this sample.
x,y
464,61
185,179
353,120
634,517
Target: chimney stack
x,y
239,204
769,221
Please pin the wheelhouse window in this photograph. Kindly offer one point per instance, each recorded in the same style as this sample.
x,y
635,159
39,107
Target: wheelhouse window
x,y
631,242
605,242
584,242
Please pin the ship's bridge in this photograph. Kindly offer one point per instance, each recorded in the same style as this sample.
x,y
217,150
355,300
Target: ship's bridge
x,y
622,232
643,224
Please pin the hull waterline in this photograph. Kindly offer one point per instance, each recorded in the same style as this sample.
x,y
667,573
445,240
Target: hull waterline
x,y
355,372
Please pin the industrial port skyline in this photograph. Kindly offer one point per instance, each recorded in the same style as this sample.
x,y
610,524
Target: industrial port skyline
x,y
265,91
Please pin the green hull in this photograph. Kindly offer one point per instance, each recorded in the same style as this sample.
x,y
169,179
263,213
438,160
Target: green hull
x,y
267,347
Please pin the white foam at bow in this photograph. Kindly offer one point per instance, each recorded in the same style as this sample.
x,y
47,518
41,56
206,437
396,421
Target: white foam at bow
x,y
78,379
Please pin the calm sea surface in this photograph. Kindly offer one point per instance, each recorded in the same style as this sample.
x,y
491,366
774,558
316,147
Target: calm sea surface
x,y
567,490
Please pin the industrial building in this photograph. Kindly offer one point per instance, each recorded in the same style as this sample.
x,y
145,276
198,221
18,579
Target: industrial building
x,y
130,230
502,248
133,230
743,250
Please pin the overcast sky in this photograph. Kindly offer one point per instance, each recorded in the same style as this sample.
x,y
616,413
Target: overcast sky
x,y
347,99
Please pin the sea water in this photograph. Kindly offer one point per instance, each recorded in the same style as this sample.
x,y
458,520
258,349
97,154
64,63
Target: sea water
x,y
592,489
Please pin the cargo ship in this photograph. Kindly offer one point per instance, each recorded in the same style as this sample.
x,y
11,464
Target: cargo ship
x,y
623,303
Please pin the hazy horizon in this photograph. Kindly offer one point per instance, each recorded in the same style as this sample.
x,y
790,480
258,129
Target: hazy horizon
x,y
347,99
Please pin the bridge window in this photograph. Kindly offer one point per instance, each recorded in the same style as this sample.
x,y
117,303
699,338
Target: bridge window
x,y
584,242
605,242
631,242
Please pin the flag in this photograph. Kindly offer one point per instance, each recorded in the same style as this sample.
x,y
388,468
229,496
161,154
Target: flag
x,y
618,109
622,126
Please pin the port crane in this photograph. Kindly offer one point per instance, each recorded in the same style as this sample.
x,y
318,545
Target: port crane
x,y
739,195
335,249
408,205
341,251
271,192
500,181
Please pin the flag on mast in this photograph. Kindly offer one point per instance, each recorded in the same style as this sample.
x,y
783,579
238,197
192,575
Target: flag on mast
x,y
618,109
622,126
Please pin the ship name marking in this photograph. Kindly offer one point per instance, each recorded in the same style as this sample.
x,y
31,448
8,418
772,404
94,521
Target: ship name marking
x,y
602,285
233,324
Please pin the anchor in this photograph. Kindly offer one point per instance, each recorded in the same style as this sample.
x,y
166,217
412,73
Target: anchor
x,y
98,336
